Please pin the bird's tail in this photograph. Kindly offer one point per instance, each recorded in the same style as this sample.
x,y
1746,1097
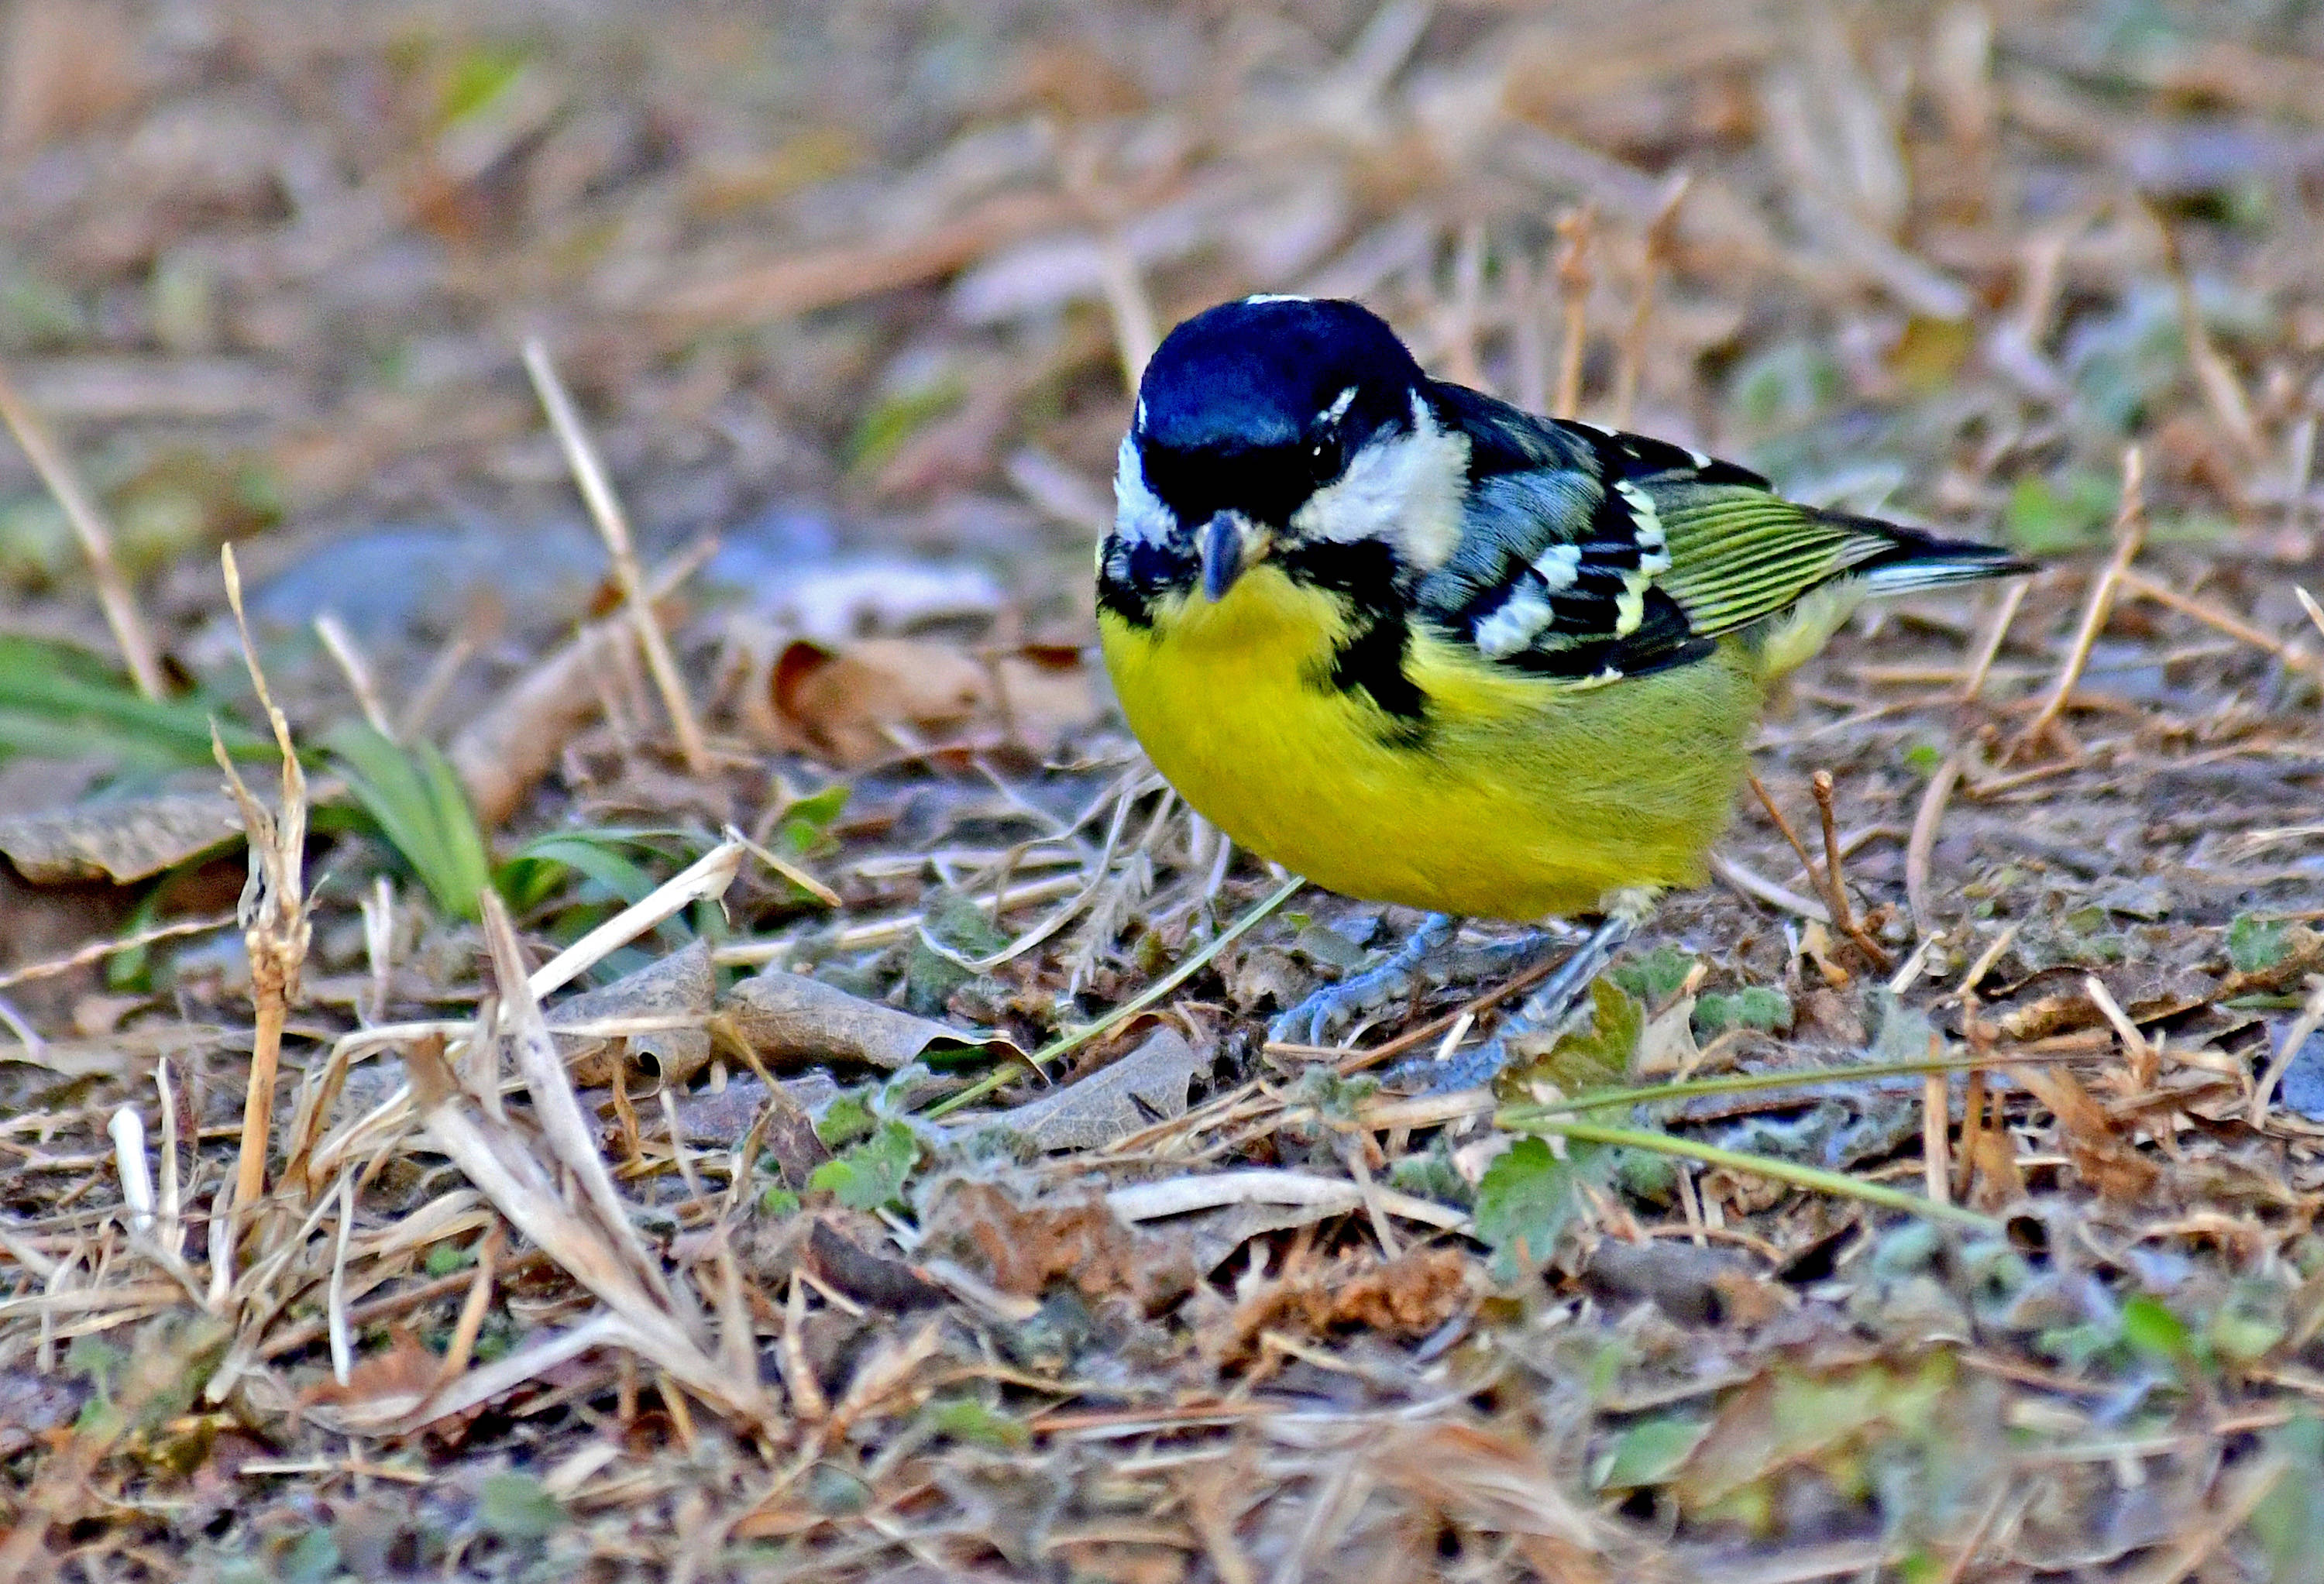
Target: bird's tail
x,y
1913,560
1906,561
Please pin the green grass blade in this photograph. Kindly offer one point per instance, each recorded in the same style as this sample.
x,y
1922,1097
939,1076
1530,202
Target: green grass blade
x,y
1815,1179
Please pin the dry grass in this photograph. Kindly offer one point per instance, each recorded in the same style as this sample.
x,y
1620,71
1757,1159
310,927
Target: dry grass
x,y
1935,1201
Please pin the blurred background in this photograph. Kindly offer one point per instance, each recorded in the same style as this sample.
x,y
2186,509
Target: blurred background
x,y
847,278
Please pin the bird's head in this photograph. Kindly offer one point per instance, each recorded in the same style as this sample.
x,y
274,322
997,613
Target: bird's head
x,y
1272,424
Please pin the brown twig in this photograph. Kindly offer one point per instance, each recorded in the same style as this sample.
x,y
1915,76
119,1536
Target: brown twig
x,y
2310,1018
2221,391
1921,845
2290,654
1936,1122
95,533
274,911
1575,229
1989,646
1767,802
1835,884
2129,535
613,526
1660,232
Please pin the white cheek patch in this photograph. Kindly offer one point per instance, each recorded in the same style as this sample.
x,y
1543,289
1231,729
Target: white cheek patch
x,y
1140,516
1405,489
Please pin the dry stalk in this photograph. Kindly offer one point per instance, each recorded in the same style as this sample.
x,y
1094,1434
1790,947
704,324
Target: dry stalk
x,y
613,526
1835,884
1936,1121
1661,231
96,534
1920,846
2221,390
1576,229
2291,655
274,909
1460,312
1989,645
2310,1018
2129,535
348,656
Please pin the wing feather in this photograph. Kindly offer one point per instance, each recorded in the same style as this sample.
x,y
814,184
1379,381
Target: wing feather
x,y
1588,555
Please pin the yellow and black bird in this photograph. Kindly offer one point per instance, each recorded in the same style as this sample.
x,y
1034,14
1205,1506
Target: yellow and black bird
x,y
1424,648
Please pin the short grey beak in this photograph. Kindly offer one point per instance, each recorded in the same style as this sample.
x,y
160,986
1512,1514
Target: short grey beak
x,y
1220,543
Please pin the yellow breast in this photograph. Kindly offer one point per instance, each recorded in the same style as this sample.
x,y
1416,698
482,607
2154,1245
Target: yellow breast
x,y
1520,798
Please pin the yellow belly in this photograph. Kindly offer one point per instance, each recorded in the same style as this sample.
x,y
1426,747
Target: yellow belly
x,y
1526,798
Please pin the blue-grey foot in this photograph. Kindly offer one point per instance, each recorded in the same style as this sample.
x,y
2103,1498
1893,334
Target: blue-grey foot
x,y
1544,1011
1312,1020
1433,956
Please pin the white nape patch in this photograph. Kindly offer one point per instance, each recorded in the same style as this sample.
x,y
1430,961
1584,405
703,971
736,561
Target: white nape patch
x,y
1407,489
1515,624
1276,296
1140,516
1559,566
1698,458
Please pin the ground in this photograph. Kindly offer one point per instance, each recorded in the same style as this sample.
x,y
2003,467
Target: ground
x,y
728,1065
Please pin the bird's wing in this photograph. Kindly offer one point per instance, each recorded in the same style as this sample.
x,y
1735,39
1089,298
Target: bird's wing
x,y
1589,553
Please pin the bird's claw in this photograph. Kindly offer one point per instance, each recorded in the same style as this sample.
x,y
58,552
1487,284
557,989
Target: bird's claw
x,y
1314,1019
1545,1011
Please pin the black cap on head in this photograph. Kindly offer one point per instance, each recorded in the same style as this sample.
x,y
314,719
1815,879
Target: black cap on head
x,y
1256,372
1233,403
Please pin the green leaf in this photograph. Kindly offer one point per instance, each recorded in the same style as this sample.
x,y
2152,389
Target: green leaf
x,y
514,1506
1656,977
2154,1329
2256,944
1597,1056
2289,1522
1522,1203
777,1202
57,701
846,1120
310,1558
1753,1007
965,1419
806,823
1648,1453
872,1174
416,800
2046,519
444,1258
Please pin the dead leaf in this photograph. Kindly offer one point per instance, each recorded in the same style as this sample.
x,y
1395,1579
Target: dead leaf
x,y
381,1388
2108,1161
119,839
1695,1286
873,1280
1406,1297
854,703
32,1404
1023,1248
793,1020
501,754
845,704
679,985
1148,1086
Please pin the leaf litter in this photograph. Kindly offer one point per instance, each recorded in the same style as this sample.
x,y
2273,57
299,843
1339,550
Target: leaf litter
x,y
771,1084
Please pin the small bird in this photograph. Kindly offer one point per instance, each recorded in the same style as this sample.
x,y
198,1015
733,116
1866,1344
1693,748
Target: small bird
x,y
1424,648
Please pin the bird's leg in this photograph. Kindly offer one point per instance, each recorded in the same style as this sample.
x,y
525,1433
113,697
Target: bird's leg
x,y
1311,1022
1545,1009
